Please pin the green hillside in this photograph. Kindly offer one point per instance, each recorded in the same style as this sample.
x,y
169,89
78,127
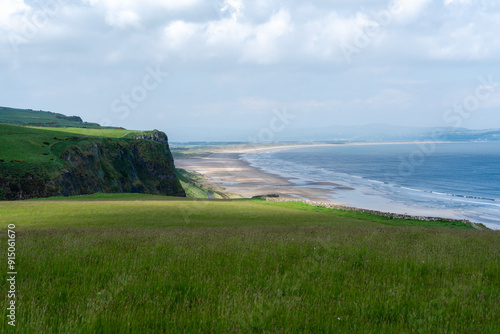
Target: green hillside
x,y
41,118
150,264
20,141
27,147
48,160
95,132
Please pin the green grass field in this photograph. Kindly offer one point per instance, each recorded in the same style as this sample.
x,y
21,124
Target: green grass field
x,y
29,148
38,145
109,133
150,264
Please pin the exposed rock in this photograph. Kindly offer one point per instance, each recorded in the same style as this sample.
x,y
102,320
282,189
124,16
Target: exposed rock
x,y
156,136
102,165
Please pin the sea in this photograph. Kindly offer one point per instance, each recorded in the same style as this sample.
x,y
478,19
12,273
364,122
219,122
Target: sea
x,y
452,180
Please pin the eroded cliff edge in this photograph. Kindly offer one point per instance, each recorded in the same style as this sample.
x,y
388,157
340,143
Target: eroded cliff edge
x,y
88,165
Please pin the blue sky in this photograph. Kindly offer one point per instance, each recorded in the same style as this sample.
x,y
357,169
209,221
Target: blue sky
x,y
232,64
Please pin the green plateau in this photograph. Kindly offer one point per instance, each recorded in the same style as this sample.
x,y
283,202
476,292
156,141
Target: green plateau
x,y
44,161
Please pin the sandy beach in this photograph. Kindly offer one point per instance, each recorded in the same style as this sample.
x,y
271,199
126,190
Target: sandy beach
x,y
228,170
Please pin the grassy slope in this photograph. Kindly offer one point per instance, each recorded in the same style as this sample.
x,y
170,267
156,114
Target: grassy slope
x,y
32,147
109,133
193,184
29,147
38,117
150,264
30,143
192,190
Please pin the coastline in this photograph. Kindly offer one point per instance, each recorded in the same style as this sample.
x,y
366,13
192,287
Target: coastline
x,y
265,148
229,170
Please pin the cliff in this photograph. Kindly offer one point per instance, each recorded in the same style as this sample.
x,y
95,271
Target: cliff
x,y
86,165
140,166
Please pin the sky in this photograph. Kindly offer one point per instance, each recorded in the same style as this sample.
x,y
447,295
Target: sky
x,y
239,66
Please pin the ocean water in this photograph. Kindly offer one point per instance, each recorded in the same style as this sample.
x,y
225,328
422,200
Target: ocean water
x,y
456,180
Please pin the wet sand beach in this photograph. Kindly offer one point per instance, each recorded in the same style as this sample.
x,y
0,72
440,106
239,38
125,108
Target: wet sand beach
x,y
228,170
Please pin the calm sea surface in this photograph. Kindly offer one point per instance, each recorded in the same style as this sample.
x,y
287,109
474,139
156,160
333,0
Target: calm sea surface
x,y
459,180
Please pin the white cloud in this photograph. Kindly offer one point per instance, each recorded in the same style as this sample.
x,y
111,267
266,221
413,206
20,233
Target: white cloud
x,y
449,2
137,4
407,10
179,33
268,32
233,7
123,18
263,47
227,37
10,8
227,33
324,35
123,13
214,53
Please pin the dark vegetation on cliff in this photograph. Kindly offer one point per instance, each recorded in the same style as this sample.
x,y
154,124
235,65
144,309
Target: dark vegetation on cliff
x,y
44,161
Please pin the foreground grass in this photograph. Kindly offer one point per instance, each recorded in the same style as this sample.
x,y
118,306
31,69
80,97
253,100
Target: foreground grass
x,y
134,263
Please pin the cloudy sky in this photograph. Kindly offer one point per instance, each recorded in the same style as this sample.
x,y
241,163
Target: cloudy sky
x,y
238,64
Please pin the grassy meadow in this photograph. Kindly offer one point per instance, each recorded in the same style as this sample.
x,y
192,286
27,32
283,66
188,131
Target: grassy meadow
x,y
106,132
138,264
38,145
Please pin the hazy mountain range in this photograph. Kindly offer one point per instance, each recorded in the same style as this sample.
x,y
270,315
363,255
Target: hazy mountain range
x,y
368,133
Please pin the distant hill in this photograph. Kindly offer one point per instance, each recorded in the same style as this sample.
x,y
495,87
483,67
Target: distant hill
x,y
381,133
335,134
29,117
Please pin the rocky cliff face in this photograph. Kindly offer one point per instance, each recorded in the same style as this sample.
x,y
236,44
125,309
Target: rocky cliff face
x,y
156,136
144,165
140,167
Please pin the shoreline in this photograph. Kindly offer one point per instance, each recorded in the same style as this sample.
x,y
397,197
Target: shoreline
x,y
257,149
229,170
